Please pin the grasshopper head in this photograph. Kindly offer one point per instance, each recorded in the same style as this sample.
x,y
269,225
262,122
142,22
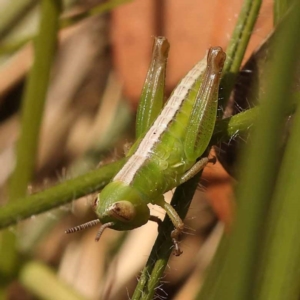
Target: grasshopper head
x,y
121,206
118,207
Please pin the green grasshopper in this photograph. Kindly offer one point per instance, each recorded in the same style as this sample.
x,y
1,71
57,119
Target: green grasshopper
x,y
169,145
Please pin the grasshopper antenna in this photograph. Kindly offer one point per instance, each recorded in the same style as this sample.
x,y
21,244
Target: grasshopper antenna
x,y
102,228
83,226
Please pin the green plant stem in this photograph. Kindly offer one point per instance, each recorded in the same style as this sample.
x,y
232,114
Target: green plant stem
x,y
237,47
58,195
32,110
102,8
34,98
237,273
280,266
280,9
44,283
159,257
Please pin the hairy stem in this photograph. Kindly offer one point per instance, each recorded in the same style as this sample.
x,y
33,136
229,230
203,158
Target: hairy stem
x,y
159,257
93,181
58,195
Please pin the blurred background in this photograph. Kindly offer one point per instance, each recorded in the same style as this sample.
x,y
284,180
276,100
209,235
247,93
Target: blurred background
x,y
96,77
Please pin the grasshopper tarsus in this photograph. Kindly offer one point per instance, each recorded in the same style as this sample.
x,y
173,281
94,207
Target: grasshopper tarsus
x,y
175,237
177,251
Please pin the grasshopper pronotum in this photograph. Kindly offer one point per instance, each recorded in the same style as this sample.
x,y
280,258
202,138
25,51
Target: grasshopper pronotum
x,y
168,147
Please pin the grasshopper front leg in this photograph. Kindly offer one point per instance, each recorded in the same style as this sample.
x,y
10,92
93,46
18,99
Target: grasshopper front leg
x,y
196,168
176,220
171,212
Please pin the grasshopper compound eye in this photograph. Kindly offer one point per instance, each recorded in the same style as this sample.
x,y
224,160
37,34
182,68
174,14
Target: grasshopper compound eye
x,y
122,210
